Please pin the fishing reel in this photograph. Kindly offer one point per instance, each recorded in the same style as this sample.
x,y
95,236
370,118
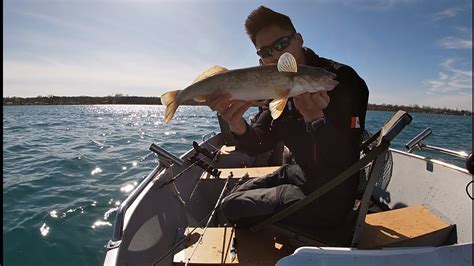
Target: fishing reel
x,y
201,163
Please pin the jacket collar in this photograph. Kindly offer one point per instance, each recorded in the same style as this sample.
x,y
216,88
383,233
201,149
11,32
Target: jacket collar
x,y
311,57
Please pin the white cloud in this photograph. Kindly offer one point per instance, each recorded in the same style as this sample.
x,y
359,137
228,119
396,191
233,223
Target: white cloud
x,y
455,43
461,38
374,5
377,4
454,79
447,13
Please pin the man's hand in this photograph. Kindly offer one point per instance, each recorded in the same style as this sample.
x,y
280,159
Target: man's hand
x,y
230,110
311,105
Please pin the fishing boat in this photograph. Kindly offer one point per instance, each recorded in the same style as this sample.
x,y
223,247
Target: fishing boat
x,y
412,210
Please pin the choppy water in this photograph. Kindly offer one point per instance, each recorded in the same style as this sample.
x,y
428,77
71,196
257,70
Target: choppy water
x,y
67,168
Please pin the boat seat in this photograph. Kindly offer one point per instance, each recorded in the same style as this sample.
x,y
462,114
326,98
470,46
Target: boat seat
x,y
243,172
375,149
228,246
406,227
230,156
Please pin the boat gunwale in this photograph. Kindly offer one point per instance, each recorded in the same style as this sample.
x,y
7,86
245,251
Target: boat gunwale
x,y
434,161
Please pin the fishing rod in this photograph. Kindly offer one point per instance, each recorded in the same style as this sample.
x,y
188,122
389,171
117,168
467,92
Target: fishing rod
x,y
214,171
188,235
169,158
210,217
166,159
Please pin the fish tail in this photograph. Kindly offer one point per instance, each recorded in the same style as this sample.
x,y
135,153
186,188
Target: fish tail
x,y
169,100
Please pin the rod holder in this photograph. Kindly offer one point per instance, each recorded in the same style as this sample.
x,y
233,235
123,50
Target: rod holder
x,y
416,141
165,156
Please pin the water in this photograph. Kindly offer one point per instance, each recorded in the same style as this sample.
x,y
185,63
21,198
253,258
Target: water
x,y
67,168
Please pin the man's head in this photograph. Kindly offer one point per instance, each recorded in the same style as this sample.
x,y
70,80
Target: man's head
x,y
273,34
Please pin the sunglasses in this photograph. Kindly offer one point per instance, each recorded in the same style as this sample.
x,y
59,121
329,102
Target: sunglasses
x,y
279,45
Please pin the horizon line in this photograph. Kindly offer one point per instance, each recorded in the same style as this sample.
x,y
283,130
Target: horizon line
x,y
126,95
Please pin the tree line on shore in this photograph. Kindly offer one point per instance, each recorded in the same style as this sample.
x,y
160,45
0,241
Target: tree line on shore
x,y
121,99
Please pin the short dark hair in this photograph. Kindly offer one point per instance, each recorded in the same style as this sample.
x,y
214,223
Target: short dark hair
x,y
263,17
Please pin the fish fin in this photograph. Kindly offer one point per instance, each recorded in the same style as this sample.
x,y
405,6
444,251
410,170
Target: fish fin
x,y
282,93
200,99
214,70
169,100
287,63
277,106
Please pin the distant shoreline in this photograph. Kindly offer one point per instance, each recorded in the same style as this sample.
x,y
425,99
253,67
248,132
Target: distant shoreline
x,y
120,99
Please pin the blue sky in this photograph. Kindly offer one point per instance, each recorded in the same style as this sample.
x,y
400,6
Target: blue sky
x,y
407,51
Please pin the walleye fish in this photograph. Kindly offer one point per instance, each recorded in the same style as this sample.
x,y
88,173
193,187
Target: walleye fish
x,y
278,82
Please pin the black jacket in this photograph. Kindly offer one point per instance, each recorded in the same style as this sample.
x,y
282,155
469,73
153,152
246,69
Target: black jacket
x,y
334,147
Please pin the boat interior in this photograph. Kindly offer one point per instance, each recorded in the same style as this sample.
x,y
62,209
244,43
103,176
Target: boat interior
x,y
405,200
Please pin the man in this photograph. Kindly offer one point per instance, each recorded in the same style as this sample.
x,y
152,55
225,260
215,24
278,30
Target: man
x,y
322,130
